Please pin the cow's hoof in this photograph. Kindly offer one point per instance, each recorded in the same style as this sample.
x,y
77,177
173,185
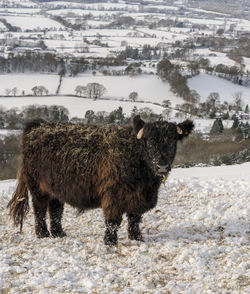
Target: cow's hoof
x,y
110,242
58,234
43,234
137,237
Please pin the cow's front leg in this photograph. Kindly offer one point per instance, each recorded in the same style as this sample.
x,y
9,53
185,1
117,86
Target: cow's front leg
x,y
112,226
113,219
134,232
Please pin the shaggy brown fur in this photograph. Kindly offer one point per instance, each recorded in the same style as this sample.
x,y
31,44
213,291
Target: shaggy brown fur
x,y
89,167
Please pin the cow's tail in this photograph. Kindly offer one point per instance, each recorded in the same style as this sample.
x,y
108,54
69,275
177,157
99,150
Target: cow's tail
x,y
19,204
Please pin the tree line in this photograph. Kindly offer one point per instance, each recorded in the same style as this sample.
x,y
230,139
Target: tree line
x,y
14,119
47,62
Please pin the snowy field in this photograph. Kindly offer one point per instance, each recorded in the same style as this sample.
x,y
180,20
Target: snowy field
x,y
77,106
20,10
24,3
196,241
32,22
204,84
25,82
2,27
148,87
220,58
82,12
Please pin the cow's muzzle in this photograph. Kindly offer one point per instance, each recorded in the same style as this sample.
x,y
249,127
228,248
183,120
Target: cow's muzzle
x,y
163,169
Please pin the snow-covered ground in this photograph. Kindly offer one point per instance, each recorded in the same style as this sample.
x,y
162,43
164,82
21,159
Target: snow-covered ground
x,y
77,106
25,82
204,84
5,133
148,87
32,22
24,3
215,57
196,241
20,10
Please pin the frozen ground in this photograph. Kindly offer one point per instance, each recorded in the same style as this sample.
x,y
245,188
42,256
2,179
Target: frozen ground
x,y
196,241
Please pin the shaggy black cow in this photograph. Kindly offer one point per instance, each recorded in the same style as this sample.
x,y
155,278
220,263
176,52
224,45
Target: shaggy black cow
x,y
119,169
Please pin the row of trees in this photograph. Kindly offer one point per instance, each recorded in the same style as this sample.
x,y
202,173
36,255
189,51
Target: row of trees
x,y
95,91
14,119
241,130
9,26
50,63
213,107
147,52
36,90
170,72
91,90
67,24
32,62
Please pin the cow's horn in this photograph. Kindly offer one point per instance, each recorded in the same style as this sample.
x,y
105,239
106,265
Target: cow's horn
x,y
179,130
140,134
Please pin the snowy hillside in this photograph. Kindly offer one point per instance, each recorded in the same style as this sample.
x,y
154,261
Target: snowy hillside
x,y
203,83
196,241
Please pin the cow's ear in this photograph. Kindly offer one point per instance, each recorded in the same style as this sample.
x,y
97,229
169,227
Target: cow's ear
x,y
138,124
185,128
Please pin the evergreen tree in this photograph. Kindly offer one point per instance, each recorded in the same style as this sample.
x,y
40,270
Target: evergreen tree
x,y
217,127
235,123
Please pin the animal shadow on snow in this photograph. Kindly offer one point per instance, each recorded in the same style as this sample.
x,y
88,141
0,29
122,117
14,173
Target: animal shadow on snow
x,y
191,234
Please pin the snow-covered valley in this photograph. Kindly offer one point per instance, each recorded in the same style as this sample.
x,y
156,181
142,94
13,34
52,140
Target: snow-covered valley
x,y
196,241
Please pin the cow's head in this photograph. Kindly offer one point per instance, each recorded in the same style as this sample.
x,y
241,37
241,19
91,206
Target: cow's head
x,y
161,139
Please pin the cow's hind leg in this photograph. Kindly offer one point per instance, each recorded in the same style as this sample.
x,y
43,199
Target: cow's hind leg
x,y
134,232
55,212
40,203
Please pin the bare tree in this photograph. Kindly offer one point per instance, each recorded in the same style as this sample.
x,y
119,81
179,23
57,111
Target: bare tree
x,y
166,103
42,90
167,113
213,98
35,91
192,97
14,91
80,90
39,90
8,92
133,96
94,90
238,103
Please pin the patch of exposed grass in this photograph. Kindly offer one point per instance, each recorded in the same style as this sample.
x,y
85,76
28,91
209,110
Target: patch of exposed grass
x,y
216,151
